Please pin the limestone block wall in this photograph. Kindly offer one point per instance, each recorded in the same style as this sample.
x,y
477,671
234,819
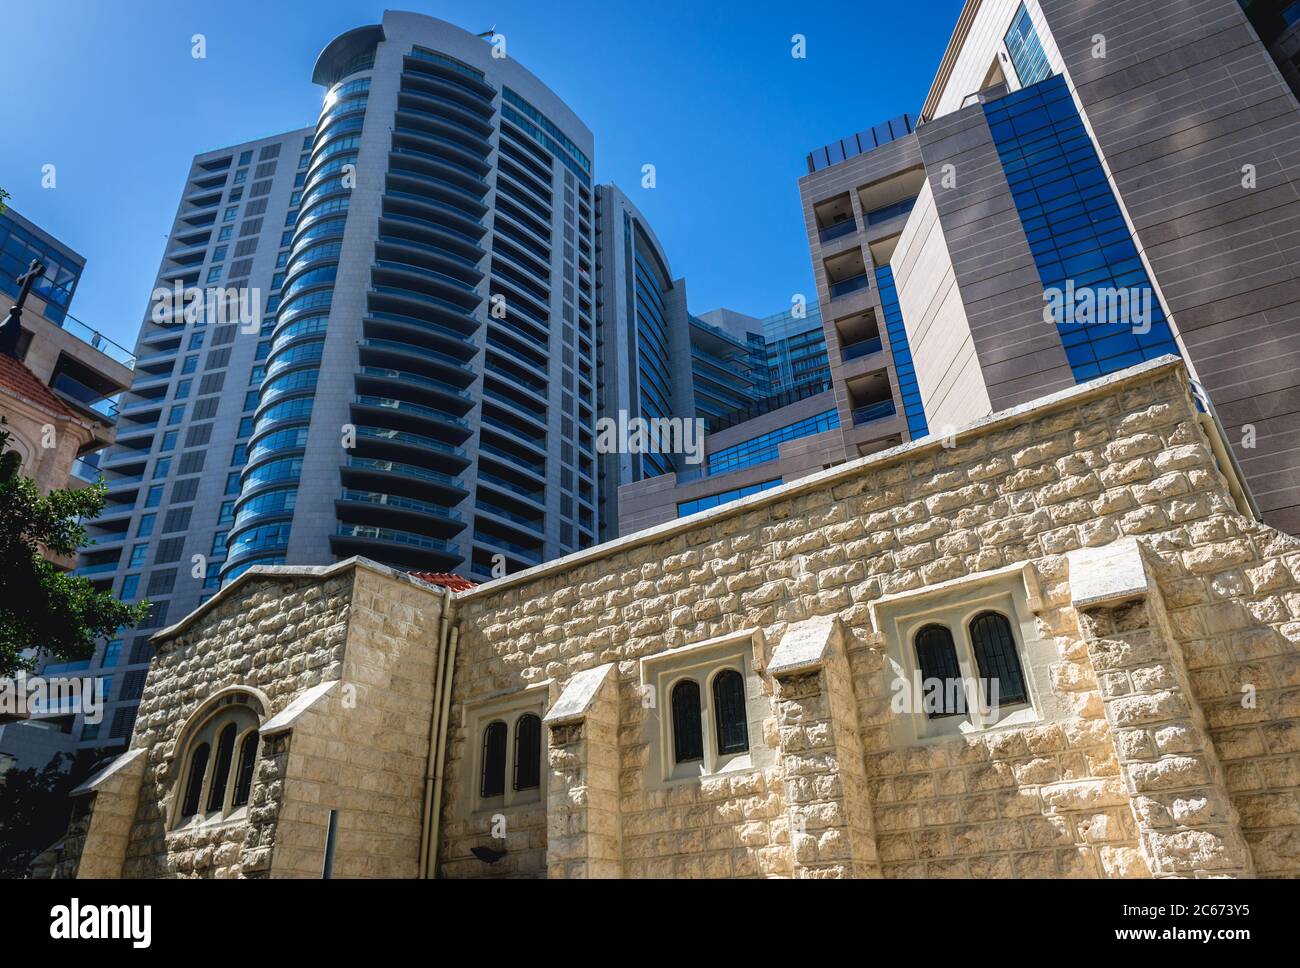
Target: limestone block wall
x,y
360,749
1126,456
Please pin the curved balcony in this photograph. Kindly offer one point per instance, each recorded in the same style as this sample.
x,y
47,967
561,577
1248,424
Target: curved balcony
x,y
432,233
424,74
527,527
527,555
384,380
471,139
392,354
512,463
395,547
395,414
534,421
440,288
408,448
402,328
258,540
395,248
430,101
506,489
407,136
266,506
384,510
470,180
408,179
455,220
389,476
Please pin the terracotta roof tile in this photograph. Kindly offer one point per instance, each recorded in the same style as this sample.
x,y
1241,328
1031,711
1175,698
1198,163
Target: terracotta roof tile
x,y
15,376
445,579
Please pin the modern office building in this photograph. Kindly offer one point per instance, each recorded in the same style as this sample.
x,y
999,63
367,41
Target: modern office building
x,y
412,376
796,350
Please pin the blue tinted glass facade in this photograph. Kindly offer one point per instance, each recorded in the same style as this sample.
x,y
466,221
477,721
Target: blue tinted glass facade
x,y
759,450
20,243
1074,225
726,497
652,353
902,352
1026,50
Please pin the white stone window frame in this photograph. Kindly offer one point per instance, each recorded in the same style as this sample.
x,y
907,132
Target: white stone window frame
x,y
702,662
509,709
243,707
1013,592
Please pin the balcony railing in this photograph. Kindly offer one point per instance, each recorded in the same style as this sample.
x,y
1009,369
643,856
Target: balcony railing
x,y
874,411
98,341
839,230
369,532
838,289
891,211
85,396
866,347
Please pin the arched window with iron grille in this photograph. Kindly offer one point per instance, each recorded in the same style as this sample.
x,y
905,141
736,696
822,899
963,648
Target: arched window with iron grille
x,y
729,712
493,782
688,741
937,656
194,786
994,645
244,773
528,753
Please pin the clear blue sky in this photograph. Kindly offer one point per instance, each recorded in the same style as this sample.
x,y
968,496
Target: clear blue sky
x,y
708,92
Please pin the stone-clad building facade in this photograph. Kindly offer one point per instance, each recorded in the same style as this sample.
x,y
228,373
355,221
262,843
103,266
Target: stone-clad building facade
x,y
720,696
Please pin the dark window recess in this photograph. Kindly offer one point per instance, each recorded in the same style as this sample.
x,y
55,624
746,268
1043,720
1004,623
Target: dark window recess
x,y
937,656
217,359
729,712
123,722
994,646
192,462
247,246
252,226
221,770
268,152
265,170
178,519
528,753
223,335
156,618
185,490
688,741
258,190
212,383
194,785
132,685
255,207
244,774
198,435
169,550
162,582
141,651
493,782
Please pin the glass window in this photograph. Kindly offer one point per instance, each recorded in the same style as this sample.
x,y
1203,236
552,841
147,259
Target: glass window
x,y
194,786
241,176
154,497
190,365
145,528
168,441
196,341
162,467
688,739
250,400
224,234
139,553
994,646
176,415
528,753
729,712
227,514
183,389
219,543
245,157
941,675
231,212
221,769
493,780
112,653
219,254
244,773
232,483
1025,50
130,585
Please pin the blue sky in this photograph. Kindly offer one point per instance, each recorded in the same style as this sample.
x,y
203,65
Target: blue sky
x,y
707,92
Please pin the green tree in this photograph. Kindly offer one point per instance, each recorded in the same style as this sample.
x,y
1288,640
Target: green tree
x,y
42,607
35,808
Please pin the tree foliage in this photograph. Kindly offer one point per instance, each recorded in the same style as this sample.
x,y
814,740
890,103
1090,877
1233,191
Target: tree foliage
x,y
42,607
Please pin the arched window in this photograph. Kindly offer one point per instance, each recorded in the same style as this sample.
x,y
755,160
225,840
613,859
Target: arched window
x,y
194,786
688,743
937,657
528,753
494,760
221,769
244,773
994,646
729,712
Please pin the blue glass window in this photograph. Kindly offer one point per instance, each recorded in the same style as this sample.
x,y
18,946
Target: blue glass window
x,y
726,497
766,447
1026,50
917,425
1076,230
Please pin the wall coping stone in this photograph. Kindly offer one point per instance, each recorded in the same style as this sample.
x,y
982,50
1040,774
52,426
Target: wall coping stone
x,y
288,717
92,784
1107,575
579,695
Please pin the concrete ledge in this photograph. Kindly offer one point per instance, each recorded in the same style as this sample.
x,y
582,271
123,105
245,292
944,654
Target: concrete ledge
x,y
804,647
288,717
578,696
107,773
1107,575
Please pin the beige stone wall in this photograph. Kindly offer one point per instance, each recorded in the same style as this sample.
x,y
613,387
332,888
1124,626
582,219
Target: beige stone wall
x,y
1046,800
361,749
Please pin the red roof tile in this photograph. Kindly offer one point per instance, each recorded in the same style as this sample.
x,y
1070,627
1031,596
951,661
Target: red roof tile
x,y
15,376
445,579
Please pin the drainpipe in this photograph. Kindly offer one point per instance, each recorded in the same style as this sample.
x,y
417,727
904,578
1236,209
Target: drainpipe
x,y
431,852
440,671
